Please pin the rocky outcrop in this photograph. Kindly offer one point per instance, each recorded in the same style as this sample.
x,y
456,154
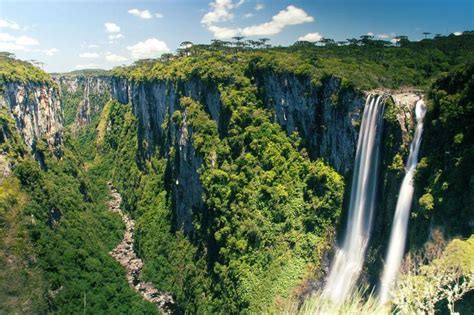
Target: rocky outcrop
x,y
37,112
87,94
326,117
399,124
154,104
125,255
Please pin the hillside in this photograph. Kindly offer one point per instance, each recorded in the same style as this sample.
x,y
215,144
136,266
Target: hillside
x,y
236,166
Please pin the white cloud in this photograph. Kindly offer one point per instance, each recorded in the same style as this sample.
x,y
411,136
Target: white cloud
x,y
87,66
158,15
6,46
5,37
93,46
9,24
370,34
114,58
26,41
89,55
111,27
290,16
248,15
115,36
150,48
19,43
223,32
259,6
311,37
51,51
145,14
457,33
383,36
221,11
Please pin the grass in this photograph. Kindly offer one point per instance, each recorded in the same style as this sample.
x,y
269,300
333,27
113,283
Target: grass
x,y
360,302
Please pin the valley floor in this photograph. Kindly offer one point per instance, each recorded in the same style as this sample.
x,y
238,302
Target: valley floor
x,y
127,257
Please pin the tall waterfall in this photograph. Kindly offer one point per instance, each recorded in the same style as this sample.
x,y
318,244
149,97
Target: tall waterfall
x,y
402,212
347,263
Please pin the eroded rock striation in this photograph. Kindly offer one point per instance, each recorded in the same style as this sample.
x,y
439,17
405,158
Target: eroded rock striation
x,y
327,117
87,94
36,109
125,255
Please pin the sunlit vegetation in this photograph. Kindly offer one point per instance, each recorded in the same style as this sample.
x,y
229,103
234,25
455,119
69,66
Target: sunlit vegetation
x,y
16,70
445,174
269,211
365,63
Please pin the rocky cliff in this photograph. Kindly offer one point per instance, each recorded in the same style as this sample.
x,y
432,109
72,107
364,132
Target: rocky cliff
x,y
154,104
327,118
83,96
37,112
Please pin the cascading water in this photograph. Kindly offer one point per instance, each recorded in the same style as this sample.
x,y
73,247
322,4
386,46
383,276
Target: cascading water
x,y
347,263
402,212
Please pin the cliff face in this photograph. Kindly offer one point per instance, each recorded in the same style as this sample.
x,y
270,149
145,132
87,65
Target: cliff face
x,y
86,94
396,139
154,104
37,112
326,117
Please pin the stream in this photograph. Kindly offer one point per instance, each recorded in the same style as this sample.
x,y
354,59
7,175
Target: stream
x,y
133,265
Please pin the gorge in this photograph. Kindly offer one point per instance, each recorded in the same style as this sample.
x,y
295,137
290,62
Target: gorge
x,y
237,174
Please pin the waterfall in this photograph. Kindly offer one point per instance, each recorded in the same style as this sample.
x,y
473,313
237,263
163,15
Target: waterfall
x,y
402,212
348,261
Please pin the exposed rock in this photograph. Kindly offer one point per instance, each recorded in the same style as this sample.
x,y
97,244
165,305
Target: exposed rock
x,y
37,112
89,87
125,255
154,104
326,117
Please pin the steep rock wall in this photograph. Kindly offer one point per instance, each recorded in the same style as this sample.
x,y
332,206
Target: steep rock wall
x,y
399,125
91,93
37,112
154,104
326,117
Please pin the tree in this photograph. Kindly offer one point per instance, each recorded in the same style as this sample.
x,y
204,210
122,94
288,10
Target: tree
x,y
353,41
166,57
303,43
328,41
186,47
7,54
426,34
263,42
217,44
366,39
238,40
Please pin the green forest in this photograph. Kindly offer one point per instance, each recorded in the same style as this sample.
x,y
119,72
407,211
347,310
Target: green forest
x,y
269,209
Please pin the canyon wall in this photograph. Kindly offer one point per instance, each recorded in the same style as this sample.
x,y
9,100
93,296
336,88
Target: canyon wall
x,y
83,96
327,118
36,109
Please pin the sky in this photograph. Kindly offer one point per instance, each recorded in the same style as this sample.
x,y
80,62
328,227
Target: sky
x,y
77,34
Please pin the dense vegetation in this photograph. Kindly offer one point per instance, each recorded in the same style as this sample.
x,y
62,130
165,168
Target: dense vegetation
x,y
268,216
269,212
445,173
15,70
365,64
56,234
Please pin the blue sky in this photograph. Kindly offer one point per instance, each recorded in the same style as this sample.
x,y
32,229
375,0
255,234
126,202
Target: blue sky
x,y
75,34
